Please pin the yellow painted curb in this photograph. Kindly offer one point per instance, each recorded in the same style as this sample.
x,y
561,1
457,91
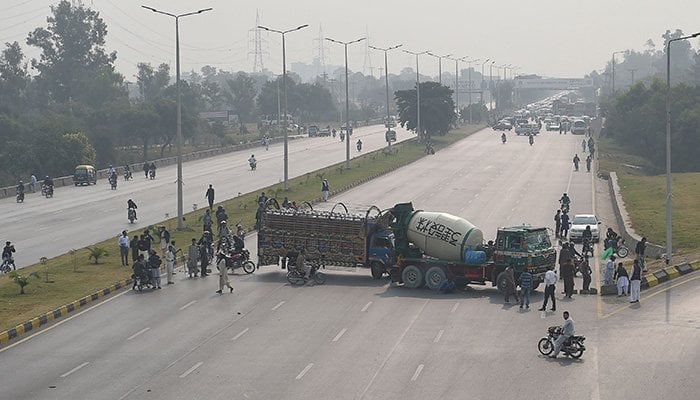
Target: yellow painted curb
x,y
651,280
4,337
672,272
695,266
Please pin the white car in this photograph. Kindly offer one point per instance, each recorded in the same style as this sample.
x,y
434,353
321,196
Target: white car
x,y
579,223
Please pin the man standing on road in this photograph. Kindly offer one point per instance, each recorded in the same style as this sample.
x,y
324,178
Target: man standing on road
x,y
192,256
32,183
170,262
145,169
223,275
325,189
567,331
510,285
134,245
550,282
124,248
588,163
566,269
557,223
154,264
525,285
564,225
639,250
609,271
210,196
576,161
635,282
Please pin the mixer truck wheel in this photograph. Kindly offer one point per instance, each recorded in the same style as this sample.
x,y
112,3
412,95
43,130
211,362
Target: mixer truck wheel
x,y
435,277
377,270
412,277
501,282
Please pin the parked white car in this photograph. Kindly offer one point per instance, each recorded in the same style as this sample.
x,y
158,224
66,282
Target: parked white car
x,y
579,223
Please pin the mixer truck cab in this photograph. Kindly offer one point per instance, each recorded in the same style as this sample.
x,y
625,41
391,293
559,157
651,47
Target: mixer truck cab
x,y
434,247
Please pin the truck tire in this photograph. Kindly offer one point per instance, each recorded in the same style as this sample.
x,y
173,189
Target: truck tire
x,y
501,282
435,277
412,277
377,270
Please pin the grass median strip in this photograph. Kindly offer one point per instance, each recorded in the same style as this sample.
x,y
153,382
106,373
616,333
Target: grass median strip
x,y
71,276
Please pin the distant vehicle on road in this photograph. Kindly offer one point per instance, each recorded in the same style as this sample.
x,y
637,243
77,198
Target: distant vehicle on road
x,y
313,130
503,125
579,127
324,132
85,174
579,223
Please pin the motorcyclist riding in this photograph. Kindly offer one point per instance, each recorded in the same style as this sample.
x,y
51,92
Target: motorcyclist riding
x,y
252,162
359,145
127,172
130,204
111,170
47,186
503,137
531,139
586,238
565,201
567,331
20,192
7,254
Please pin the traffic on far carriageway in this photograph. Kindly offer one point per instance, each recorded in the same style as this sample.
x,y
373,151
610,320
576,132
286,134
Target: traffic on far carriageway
x,y
415,248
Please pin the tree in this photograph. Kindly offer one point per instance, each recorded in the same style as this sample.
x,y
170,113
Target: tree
x,y
436,109
241,95
73,54
151,82
13,75
96,253
22,280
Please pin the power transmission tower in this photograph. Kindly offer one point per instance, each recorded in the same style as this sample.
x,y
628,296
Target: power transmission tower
x,y
257,43
368,60
320,56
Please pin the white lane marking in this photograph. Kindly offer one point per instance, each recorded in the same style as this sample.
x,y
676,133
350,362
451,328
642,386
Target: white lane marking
x,y
304,371
415,374
439,335
75,369
454,308
240,334
137,333
125,395
189,371
43,228
278,305
188,304
339,335
366,307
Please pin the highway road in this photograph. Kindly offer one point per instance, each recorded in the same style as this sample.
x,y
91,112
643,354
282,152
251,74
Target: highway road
x,y
359,338
80,216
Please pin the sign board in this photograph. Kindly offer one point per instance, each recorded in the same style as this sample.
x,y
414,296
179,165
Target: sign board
x,y
553,84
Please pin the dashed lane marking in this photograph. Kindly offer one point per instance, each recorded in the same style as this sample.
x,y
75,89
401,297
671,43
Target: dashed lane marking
x,y
339,335
417,373
75,369
278,305
188,304
439,335
454,308
192,369
366,307
138,333
240,334
304,371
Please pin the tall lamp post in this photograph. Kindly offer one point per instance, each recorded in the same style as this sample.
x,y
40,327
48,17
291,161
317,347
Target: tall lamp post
x,y
418,131
178,139
482,78
669,248
613,69
457,60
439,64
284,91
469,72
386,81
348,129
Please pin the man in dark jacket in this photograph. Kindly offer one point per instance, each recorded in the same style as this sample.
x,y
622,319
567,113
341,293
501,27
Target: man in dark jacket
x,y
566,269
210,196
154,264
639,250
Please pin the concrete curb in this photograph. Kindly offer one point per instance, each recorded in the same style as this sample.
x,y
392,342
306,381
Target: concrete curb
x,y
650,280
43,319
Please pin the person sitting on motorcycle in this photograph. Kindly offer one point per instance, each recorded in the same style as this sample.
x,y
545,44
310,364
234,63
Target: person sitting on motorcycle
x,y
7,254
252,161
140,271
302,266
130,204
48,182
113,178
586,238
20,188
565,200
127,171
111,170
567,331
503,137
359,144
611,238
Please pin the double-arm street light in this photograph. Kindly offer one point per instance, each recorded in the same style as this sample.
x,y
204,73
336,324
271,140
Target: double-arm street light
x,y
418,131
284,91
457,60
439,64
669,248
469,72
613,69
482,78
386,81
348,129
178,139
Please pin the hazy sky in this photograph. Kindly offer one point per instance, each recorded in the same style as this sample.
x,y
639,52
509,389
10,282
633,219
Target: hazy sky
x,y
557,38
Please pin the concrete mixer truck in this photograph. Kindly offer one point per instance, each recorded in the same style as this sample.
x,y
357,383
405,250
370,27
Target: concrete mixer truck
x,y
433,247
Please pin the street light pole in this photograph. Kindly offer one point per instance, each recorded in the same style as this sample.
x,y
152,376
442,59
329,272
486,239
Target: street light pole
x,y
613,69
482,78
386,81
348,129
178,138
439,64
669,247
469,72
284,94
457,60
418,131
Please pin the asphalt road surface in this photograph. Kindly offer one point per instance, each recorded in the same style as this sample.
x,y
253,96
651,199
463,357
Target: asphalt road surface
x,y
80,216
359,338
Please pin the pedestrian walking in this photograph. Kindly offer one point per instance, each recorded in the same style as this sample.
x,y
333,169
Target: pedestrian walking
x,y
576,161
639,250
635,282
223,275
557,223
164,240
123,242
134,245
609,272
583,145
206,221
550,286
154,263
622,280
510,285
204,243
192,256
564,225
588,163
325,189
210,196
32,183
525,287
170,255
145,169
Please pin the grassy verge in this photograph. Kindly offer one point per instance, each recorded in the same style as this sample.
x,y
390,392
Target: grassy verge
x,y
72,276
645,195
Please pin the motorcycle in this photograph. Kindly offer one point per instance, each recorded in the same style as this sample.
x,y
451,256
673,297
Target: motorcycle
x,y
532,140
429,149
20,197
240,259
253,164
297,276
619,247
342,136
131,215
573,346
47,190
113,182
503,138
8,264
564,207
142,281
152,174
359,146
587,248
127,175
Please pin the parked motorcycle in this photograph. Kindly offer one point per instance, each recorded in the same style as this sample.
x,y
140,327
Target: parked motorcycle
x,y
297,276
131,215
619,247
235,260
573,346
